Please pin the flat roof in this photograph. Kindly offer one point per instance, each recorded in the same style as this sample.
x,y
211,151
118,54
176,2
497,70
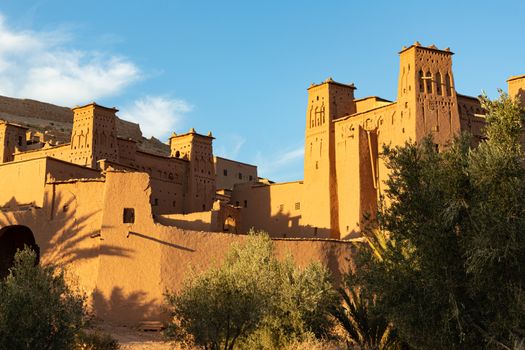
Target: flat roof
x,y
417,44
94,104
332,81
235,161
515,77
370,97
361,113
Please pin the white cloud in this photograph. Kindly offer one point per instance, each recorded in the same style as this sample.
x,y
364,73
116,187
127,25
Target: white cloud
x,y
38,65
158,116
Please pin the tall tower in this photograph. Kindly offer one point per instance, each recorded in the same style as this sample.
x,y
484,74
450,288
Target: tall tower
x,y
426,97
94,135
12,138
198,150
517,88
326,102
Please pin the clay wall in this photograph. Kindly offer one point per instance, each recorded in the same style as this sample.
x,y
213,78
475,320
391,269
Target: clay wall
x,y
368,103
130,288
276,209
12,138
516,88
230,172
62,152
22,183
127,149
470,112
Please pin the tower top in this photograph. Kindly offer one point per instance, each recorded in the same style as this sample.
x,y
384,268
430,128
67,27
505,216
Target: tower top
x,y
95,105
432,47
332,81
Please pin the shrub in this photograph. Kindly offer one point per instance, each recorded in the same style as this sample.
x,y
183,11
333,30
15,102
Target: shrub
x,y
253,301
37,309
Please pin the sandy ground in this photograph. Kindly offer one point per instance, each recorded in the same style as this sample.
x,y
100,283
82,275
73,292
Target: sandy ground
x,y
133,339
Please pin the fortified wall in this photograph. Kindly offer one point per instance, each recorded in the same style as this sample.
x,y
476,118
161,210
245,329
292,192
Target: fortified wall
x,y
130,217
103,229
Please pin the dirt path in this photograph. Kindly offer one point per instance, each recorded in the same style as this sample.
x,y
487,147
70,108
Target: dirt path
x,y
133,339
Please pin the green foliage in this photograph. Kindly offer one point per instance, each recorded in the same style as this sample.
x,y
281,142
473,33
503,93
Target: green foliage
x,y
95,341
450,273
252,301
37,309
364,328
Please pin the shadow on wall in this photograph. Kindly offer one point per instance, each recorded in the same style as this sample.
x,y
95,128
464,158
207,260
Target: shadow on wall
x,y
521,97
282,221
119,306
63,234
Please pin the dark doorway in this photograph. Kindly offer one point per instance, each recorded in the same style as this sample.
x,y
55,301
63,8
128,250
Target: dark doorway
x,y
13,238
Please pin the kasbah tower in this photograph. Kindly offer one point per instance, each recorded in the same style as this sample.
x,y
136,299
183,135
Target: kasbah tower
x,y
130,216
343,175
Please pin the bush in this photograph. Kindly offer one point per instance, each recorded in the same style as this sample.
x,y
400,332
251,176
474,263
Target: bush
x,y
37,309
253,301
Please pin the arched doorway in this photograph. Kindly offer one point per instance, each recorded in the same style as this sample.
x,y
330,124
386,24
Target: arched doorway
x,y
229,225
13,238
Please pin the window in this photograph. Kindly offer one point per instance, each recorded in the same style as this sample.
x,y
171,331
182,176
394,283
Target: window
x,y
251,178
128,216
237,203
245,203
448,85
439,90
429,82
297,205
19,140
225,172
421,82
156,201
240,176
174,203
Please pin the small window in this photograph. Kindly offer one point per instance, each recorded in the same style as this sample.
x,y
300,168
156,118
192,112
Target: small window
x,y
225,172
156,201
128,216
297,206
240,176
20,140
251,178
245,203
174,203
237,203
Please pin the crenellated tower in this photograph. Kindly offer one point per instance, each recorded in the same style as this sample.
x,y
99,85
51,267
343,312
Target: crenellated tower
x,y
198,150
426,99
94,135
326,102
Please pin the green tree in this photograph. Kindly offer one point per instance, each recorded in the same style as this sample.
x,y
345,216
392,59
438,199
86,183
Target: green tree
x,y
253,300
450,275
37,308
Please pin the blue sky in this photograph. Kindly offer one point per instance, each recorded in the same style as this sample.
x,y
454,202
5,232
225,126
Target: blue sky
x,y
241,68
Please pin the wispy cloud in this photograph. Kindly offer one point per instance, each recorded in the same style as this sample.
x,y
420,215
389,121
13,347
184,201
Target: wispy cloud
x,y
157,115
39,65
229,146
285,166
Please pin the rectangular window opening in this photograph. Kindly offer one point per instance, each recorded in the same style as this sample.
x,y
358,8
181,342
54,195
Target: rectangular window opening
x,y
128,216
